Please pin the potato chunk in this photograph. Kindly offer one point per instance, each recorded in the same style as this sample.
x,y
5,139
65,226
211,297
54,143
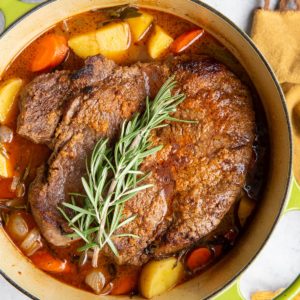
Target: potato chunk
x,y
160,276
84,45
8,93
114,40
158,42
139,26
5,166
245,209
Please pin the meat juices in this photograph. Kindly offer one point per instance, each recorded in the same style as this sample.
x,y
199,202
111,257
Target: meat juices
x,y
197,175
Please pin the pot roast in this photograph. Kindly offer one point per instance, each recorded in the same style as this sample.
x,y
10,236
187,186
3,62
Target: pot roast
x,y
196,177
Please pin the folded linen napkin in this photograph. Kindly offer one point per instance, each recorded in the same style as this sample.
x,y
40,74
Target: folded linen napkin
x,y
277,35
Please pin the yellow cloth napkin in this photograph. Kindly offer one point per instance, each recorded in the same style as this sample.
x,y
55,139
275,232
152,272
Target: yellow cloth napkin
x,y
277,35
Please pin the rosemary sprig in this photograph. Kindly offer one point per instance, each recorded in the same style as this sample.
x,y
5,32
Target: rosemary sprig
x,y
119,13
122,12
113,175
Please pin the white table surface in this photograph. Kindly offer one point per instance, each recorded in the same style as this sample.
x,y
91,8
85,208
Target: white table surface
x,y
277,264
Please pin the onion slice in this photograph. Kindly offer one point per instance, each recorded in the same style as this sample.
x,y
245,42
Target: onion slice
x,y
15,182
107,289
17,227
32,242
83,259
20,190
96,280
6,134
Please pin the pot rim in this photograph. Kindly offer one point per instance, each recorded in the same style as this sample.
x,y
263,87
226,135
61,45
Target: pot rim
x,y
284,107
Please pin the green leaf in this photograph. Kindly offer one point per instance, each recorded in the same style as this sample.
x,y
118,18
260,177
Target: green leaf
x,y
77,209
127,235
111,245
138,189
128,220
87,189
80,234
86,247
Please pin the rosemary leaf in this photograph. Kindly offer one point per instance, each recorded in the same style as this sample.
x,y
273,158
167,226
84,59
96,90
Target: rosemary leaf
x,y
87,247
127,235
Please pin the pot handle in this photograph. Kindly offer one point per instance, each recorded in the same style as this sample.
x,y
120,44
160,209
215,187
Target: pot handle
x,y
290,292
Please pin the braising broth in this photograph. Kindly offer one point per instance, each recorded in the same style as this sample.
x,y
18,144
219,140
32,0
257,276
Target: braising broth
x,y
20,157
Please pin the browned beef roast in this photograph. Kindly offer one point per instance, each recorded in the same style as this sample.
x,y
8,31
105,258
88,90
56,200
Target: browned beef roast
x,y
43,100
197,175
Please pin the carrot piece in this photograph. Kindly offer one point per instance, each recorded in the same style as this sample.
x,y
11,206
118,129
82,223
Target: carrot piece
x,y
125,283
198,258
45,261
185,40
5,190
51,51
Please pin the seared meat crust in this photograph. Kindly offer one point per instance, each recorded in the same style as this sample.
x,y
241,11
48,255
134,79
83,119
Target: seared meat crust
x,y
197,175
201,169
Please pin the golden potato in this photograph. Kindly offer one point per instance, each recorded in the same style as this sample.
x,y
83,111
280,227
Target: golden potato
x,y
114,40
8,93
246,207
84,45
158,42
139,25
160,276
5,166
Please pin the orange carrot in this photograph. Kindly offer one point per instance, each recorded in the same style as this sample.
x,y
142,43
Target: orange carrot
x,y
52,50
185,40
5,191
125,283
198,258
45,261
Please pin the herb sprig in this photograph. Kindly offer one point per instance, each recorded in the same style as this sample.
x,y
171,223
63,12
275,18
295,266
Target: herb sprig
x,y
113,175
119,13
124,12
